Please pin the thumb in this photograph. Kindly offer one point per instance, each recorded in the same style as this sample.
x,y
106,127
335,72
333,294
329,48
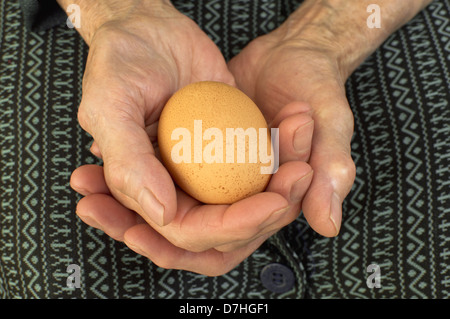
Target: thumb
x,y
334,169
132,172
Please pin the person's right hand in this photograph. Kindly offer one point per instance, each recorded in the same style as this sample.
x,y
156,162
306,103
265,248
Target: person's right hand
x,y
135,63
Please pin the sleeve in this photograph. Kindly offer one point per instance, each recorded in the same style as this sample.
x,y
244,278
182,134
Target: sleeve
x,y
42,14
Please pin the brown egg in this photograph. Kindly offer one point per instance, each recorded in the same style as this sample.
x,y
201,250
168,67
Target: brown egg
x,y
215,143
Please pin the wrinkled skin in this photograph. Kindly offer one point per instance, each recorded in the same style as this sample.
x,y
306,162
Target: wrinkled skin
x,y
133,67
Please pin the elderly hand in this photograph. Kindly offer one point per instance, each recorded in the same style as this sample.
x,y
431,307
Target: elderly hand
x,y
308,58
276,69
140,54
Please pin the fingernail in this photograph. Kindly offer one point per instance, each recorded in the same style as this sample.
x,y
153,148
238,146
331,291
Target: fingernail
x,y
275,216
302,137
336,212
298,189
151,206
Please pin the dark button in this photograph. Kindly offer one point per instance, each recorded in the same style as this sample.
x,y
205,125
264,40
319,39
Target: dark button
x,y
277,278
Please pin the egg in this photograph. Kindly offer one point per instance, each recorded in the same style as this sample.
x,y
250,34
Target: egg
x,y
215,143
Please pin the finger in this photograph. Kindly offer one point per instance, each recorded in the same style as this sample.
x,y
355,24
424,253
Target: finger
x,y
292,181
334,169
151,130
132,172
146,241
296,127
203,227
293,108
104,212
280,184
295,139
89,179
229,248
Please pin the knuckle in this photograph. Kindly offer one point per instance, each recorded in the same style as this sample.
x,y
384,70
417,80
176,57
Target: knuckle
x,y
82,118
88,117
344,172
348,170
118,177
114,173
344,169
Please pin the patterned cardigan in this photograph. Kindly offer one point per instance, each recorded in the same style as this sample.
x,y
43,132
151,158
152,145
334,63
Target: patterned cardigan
x,y
396,217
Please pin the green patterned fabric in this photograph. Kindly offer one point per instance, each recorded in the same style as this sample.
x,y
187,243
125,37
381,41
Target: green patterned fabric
x,y
397,215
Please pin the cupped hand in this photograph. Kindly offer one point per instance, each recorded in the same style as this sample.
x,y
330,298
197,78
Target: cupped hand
x,y
135,64
278,68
